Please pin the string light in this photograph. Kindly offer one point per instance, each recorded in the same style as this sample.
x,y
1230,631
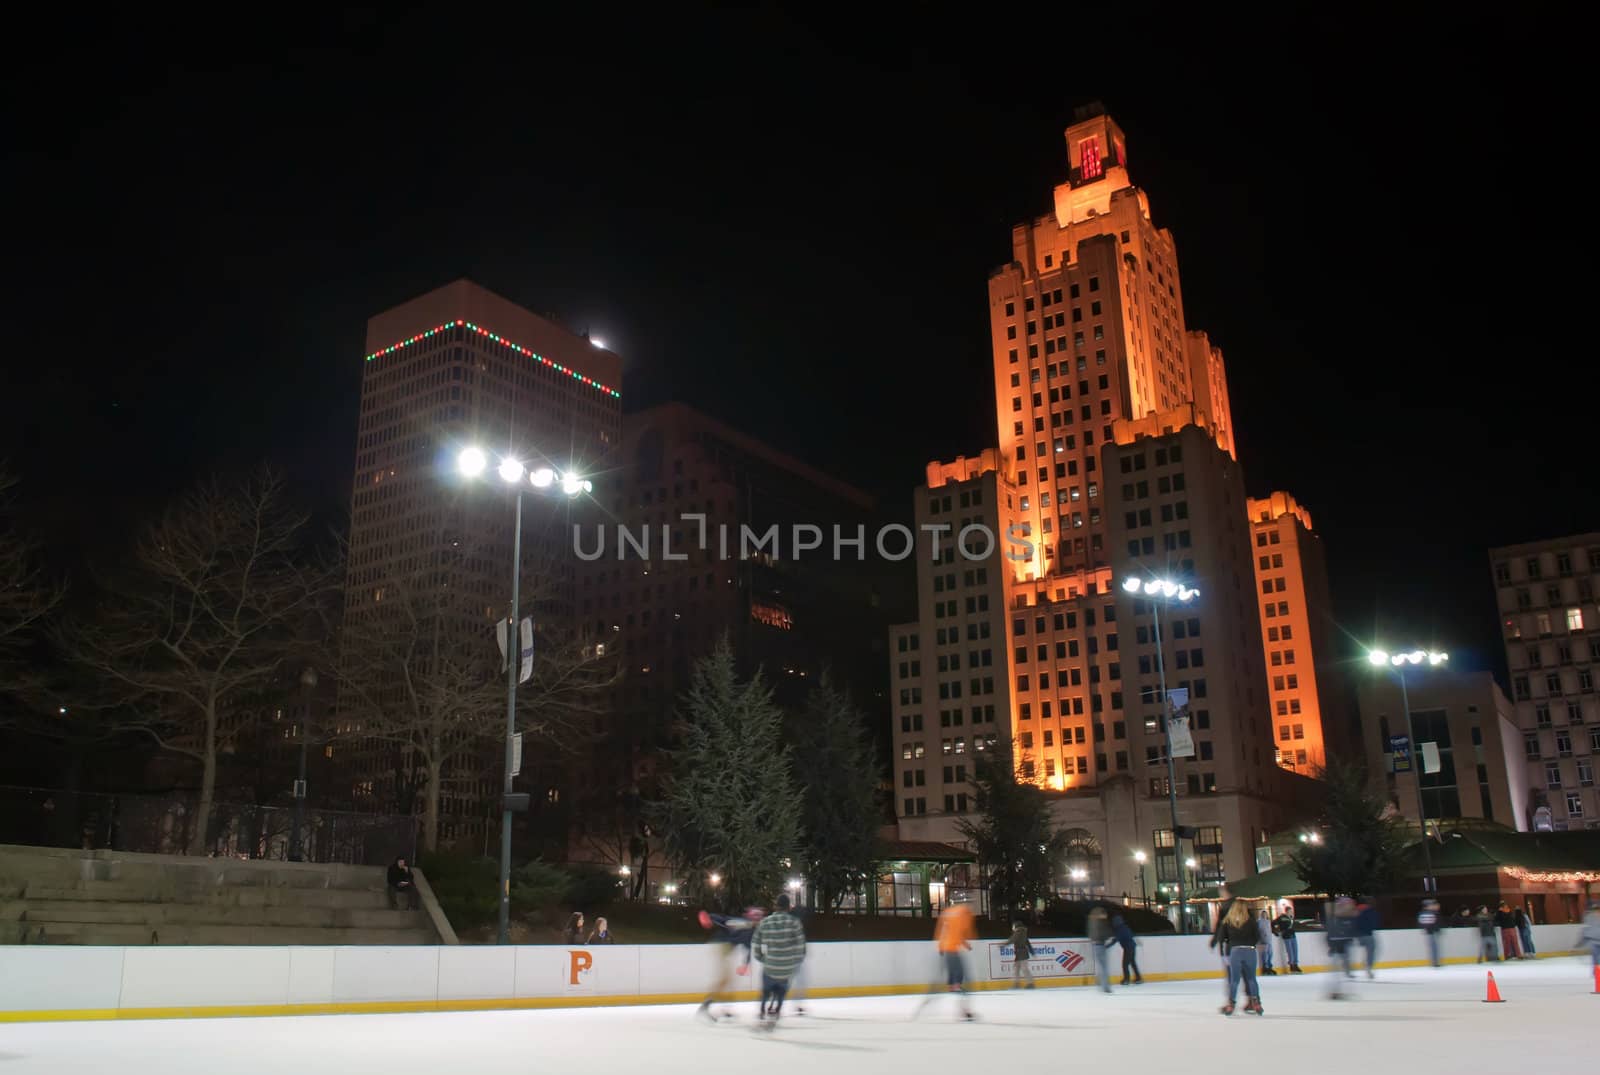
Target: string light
x,y
1556,878
495,338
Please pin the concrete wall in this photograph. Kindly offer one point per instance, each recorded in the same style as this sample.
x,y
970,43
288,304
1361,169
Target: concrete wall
x,y
54,983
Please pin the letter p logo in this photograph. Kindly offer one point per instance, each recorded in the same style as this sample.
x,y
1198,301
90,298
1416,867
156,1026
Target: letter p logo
x,y
581,961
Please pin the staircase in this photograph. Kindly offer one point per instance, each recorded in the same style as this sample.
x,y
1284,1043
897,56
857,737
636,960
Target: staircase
x,y
59,896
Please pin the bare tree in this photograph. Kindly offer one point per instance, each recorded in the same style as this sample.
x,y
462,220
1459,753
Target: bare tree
x,y
26,596
421,674
222,590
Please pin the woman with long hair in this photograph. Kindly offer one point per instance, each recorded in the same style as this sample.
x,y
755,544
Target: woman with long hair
x,y
1240,932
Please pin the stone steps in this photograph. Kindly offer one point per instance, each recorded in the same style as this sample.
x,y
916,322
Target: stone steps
x,y
110,933
156,914
123,891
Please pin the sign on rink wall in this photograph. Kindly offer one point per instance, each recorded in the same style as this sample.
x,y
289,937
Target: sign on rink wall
x,y
1051,959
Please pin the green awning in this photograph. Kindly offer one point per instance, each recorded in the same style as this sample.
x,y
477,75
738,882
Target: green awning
x,y
1277,882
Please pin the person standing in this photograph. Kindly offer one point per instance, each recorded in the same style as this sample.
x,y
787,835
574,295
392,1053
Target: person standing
x,y
779,943
1524,926
1283,926
601,934
1100,938
731,934
1487,952
1240,933
1264,942
1428,922
574,934
1021,952
1506,923
954,936
1367,932
1341,935
1123,934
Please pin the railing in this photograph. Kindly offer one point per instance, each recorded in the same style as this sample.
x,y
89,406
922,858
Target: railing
x,y
163,825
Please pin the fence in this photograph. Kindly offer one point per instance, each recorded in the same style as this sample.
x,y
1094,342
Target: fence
x,y
163,825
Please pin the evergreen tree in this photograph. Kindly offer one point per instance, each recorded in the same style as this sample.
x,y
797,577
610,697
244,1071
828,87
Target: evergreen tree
x,y
838,780
731,806
1016,841
1361,847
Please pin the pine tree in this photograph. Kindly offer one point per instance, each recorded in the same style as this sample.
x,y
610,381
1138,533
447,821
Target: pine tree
x,y
731,806
1360,849
838,777
1016,840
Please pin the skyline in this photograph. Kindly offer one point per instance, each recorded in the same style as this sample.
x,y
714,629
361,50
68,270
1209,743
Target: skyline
x,y
850,279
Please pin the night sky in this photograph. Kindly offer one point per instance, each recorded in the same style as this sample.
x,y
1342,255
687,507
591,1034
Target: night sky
x,y
788,222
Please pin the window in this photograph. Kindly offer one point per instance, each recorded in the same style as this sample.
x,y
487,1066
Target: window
x,y
1574,619
1586,773
1574,804
1552,775
1564,744
1530,746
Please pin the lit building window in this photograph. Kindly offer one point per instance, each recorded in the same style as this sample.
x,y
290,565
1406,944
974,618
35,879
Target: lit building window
x,y
1089,159
1574,619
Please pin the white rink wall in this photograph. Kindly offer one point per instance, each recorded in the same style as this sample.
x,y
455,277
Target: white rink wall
x,y
63,982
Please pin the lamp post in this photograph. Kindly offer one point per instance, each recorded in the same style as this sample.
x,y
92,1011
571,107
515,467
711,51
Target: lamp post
x,y
308,681
472,462
1079,875
1157,591
1144,894
1398,661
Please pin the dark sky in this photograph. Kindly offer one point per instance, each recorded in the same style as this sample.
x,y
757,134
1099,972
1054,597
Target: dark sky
x,y
788,220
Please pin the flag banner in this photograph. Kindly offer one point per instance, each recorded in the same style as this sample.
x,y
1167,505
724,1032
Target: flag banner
x,y
1400,753
1178,723
524,673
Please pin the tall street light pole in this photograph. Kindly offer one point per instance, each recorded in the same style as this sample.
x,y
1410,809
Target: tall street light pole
x,y
308,683
1159,590
472,463
1378,658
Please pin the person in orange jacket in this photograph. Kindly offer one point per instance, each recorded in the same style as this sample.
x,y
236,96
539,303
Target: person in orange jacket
x,y
954,936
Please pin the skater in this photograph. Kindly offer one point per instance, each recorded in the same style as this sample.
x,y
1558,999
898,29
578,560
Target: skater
x,y
1428,922
731,934
797,984
1021,952
1506,923
1487,953
602,933
1100,939
1123,935
1524,926
780,944
1591,933
573,934
401,888
1264,944
1341,934
953,935
1240,933
1283,926
1367,932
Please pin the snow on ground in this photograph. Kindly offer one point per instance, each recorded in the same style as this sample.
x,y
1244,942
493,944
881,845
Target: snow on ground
x,y
1411,1020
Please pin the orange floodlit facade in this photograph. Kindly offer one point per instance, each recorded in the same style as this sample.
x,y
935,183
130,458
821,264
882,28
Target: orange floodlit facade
x,y
1115,457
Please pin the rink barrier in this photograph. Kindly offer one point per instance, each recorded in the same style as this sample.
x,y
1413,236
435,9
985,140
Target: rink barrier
x,y
57,983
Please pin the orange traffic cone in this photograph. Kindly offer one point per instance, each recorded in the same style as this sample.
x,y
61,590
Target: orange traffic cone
x,y
1494,992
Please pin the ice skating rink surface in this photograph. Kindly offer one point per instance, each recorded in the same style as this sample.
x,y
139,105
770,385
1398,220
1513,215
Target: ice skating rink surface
x,y
1413,1020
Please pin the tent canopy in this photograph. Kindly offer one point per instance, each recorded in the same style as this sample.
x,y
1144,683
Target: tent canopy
x,y
1277,882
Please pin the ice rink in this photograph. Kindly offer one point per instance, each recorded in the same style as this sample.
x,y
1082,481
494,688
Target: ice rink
x,y
1414,1019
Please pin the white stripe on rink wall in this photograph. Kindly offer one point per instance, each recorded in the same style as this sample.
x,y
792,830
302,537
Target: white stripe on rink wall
x,y
62,979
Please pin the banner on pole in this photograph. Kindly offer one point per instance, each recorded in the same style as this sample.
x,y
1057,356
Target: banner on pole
x,y
525,673
1178,723
1399,753
516,754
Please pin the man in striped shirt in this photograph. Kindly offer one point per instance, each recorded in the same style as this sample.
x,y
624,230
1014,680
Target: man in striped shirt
x,y
780,945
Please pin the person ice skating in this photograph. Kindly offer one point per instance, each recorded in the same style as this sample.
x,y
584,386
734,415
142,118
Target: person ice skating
x,y
401,888
1506,923
953,935
1524,926
574,934
1283,926
731,934
1100,938
1341,926
1367,932
780,944
1487,953
1123,935
1021,952
1428,922
1264,942
601,934
1240,933
797,983
1591,933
